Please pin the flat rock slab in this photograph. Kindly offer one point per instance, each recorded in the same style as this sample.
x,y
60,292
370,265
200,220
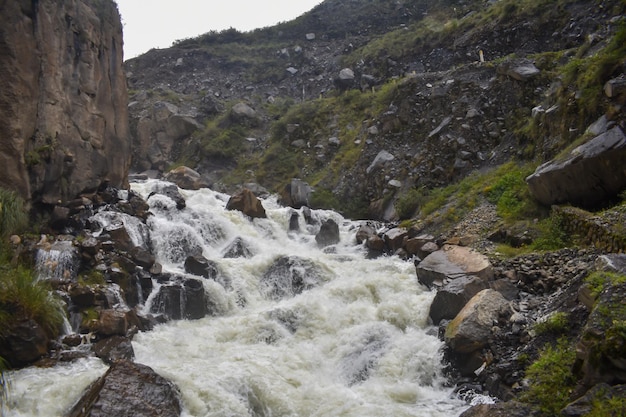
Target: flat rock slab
x,y
129,389
453,262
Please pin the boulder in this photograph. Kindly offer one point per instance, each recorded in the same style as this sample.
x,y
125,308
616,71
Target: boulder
x,y
241,112
520,70
289,276
23,343
112,322
113,349
129,389
247,203
171,191
452,262
505,409
394,238
364,232
470,330
345,79
238,248
296,194
453,296
587,176
381,159
181,299
186,178
201,266
328,234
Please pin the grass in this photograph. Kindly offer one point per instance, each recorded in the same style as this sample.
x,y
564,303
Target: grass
x,y
13,216
551,379
23,297
555,324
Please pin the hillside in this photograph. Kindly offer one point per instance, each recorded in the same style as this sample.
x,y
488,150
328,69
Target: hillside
x,y
328,92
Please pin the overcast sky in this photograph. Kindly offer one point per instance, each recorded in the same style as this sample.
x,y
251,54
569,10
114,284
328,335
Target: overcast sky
x,y
157,23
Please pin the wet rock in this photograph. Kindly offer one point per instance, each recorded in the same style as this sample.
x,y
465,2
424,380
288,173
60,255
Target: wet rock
x,y
328,234
451,262
23,343
247,203
186,178
294,222
112,322
394,238
289,276
364,233
143,258
238,248
201,266
296,194
506,409
171,191
129,389
113,349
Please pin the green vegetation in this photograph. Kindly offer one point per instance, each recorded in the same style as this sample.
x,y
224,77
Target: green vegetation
x,y
597,281
13,216
22,296
554,324
550,378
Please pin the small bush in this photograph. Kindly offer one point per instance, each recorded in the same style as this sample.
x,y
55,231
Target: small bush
x,y
407,205
551,379
553,234
22,296
13,216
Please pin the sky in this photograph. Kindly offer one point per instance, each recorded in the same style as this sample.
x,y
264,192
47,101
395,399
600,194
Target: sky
x,y
157,23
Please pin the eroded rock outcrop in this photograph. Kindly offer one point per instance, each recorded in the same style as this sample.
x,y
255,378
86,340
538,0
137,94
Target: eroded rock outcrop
x,y
63,99
587,176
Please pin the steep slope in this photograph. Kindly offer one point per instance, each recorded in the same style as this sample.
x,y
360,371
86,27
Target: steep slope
x,y
64,122
435,89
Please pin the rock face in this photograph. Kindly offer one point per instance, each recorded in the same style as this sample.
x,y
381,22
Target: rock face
x,y
589,175
129,389
63,99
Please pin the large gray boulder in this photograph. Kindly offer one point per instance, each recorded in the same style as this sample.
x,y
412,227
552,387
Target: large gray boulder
x,y
453,262
471,328
129,389
453,296
587,176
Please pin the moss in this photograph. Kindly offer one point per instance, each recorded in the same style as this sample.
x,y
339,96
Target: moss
x,y
551,379
555,324
597,281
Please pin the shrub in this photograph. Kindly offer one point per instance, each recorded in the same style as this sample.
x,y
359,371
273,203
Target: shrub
x,y
553,234
22,296
407,205
551,379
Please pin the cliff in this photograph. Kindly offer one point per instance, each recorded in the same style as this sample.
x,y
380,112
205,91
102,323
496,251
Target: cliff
x,y
63,99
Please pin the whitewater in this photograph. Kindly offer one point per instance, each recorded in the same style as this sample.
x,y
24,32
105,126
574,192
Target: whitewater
x,y
356,342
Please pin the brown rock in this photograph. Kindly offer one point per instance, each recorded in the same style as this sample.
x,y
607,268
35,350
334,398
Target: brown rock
x,y
247,203
129,390
471,328
451,262
112,322
186,178
63,97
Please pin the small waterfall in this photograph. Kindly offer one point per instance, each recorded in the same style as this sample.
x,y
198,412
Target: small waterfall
x,y
57,261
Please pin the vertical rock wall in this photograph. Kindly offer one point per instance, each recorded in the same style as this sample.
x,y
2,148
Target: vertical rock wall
x,y
63,98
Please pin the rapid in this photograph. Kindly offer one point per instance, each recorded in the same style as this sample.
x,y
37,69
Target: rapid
x,y
355,342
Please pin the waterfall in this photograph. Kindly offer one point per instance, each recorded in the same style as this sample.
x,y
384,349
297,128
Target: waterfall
x,y
288,328
57,261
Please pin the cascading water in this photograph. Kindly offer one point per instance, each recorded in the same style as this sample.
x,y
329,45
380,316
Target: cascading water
x,y
292,329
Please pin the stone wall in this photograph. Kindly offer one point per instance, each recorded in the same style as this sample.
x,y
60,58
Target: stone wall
x,y
604,235
63,98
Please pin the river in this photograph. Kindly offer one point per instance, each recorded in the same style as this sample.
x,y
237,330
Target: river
x,y
355,343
